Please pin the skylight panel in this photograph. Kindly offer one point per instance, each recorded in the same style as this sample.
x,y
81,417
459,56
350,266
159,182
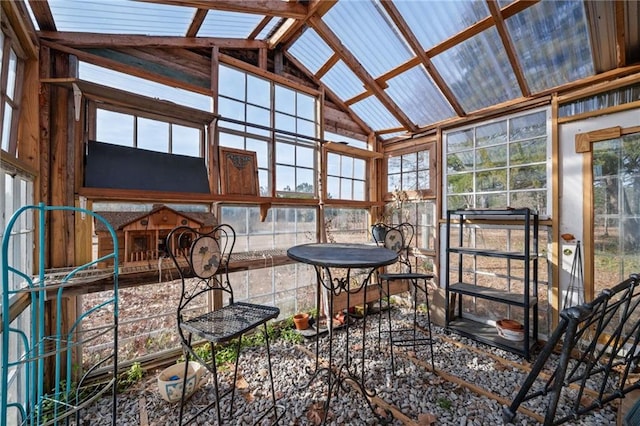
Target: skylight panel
x,y
478,71
387,136
375,114
342,81
419,98
368,35
432,22
552,43
141,86
266,31
311,50
220,23
120,17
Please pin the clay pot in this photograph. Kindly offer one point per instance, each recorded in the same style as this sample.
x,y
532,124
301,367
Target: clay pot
x,y
510,330
301,321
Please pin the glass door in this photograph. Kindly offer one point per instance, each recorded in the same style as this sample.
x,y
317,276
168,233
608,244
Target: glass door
x,y
615,210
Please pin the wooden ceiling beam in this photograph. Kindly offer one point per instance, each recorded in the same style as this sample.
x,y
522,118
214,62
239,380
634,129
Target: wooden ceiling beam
x,y
327,66
83,40
256,31
347,57
196,23
42,13
621,49
286,9
420,53
494,8
293,28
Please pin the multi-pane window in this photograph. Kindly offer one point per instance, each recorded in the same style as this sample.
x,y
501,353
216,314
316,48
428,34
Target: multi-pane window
x,y
502,163
409,172
346,177
154,134
10,88
278,123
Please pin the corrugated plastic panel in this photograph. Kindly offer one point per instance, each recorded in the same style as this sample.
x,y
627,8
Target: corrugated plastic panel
x,y
311,50
482,75
342,81
562,54
219,23
266,31
418,97
368,35
121,17
375,114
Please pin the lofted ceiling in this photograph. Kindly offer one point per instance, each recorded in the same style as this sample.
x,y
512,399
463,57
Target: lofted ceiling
x,y
400,66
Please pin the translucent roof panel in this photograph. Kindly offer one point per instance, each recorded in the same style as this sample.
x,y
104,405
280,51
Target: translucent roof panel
x,y
311,50
375,114
266,31
220,23
418,97
387,136
368,35
342,81
559,32
121,17
435,21
478,71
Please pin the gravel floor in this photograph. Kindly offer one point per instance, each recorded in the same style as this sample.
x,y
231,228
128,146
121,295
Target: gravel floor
x,y
468,374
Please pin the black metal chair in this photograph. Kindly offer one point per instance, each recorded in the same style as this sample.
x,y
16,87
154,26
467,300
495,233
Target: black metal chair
x,y
202,260
398,238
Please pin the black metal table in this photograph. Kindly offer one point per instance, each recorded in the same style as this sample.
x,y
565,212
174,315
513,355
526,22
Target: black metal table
x,y
334,264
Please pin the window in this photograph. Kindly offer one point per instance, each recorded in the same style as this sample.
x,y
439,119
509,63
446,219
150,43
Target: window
x,y
17,191
10,92
501,163
279,123
150,133
412,172
346,177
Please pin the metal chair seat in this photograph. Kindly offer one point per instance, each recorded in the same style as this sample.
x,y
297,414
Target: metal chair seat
x,y
229,322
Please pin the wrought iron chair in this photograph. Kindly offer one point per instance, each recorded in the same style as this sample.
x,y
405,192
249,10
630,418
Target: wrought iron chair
x,y
202,260
398,238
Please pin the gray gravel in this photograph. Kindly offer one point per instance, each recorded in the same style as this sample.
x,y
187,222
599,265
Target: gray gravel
x,y
419,394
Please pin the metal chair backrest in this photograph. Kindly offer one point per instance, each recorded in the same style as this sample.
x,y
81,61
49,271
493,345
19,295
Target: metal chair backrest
x,y
397,238
202,260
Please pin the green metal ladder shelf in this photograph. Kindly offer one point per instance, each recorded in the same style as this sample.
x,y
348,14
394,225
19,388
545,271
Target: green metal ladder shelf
x,y
26,353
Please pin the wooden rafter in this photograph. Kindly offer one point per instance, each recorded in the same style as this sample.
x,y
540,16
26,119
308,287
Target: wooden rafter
x,y
82,40
291,29
347,57
420,53
327,66
494,8
621,49
263,23
287,9
196,22
42,13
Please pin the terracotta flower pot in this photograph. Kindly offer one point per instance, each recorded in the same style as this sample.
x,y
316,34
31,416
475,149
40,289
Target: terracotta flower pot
x,y
301,321
510,330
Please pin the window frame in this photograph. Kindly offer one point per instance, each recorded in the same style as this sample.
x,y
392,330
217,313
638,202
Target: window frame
x,y
388,193
10,44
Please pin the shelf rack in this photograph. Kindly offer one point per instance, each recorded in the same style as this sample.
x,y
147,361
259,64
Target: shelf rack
x,y
43,347
527,300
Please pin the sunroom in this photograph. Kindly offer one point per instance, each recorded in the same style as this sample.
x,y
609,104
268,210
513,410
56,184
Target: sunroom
x,y
474,129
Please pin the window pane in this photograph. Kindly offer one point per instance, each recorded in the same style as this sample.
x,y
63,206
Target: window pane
x,y
306,106
153,135
393,182
491,134
231,83
457,184
529,177
261,148
495,156
393,165
333,187
305,181
530,151
345,189
409,181
285,122
285,100
306,128
114,127
232,141
460,162
359,168
424,180
258,91
231,109
359,190
185,140
285,153
333,164
347,166
259,116
458,141
11,74
305,157
6,126
528,126
494,180
285,178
